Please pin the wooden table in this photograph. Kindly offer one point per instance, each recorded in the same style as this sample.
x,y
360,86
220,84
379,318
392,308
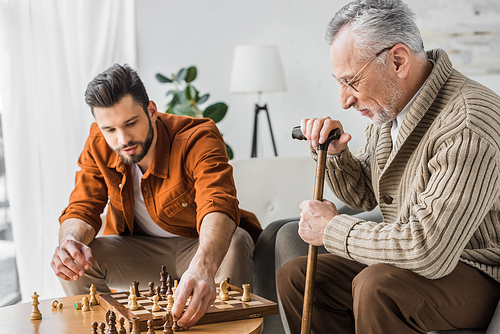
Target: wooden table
x,y
16,319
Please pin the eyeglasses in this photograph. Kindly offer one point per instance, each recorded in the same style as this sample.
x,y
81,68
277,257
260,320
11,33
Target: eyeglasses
x,y
353,81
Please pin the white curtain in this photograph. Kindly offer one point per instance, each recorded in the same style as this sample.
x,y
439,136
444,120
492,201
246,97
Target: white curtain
x,y
49,51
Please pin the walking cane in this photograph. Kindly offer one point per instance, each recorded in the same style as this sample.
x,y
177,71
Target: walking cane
x,y
313,250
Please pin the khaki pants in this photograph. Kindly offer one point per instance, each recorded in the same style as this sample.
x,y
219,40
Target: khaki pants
x,y
350,297
119,260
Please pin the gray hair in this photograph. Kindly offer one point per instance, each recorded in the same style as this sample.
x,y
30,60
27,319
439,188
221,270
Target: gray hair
x,y
377,24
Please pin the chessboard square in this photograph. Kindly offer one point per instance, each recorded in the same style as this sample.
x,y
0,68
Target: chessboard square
x,y
159,314
148,307
141,299
163,303
253,303
232,301
121,295
139,312
122,301
224,306
232,292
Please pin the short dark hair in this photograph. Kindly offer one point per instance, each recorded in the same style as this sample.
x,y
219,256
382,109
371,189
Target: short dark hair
x,y
110,86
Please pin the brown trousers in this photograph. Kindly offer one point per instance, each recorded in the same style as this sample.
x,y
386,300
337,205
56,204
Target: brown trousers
x,y
350,297
119,260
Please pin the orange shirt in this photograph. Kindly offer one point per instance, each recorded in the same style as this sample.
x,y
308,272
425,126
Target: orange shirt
x,y
189,177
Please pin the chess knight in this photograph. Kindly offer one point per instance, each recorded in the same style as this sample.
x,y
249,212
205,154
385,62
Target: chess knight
x,y
170,197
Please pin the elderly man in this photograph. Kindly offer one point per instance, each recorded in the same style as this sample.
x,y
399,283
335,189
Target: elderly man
x,y
431,161
171,201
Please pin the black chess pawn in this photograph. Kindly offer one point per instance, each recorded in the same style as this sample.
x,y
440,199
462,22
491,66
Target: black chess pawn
x,y
227,279
157,290
121,326
175,327
151,291
150,327
102,328
94,327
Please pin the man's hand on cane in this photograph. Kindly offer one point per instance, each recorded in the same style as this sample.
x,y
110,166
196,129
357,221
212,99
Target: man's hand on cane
x,y
314,217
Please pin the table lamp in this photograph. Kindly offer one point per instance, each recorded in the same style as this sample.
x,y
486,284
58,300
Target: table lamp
x,y
257,69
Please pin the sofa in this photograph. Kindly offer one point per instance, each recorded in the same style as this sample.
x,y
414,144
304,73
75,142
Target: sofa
x,y
272,188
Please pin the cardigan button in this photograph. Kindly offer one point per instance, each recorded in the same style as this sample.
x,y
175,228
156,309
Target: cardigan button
x,y
387,199
184,204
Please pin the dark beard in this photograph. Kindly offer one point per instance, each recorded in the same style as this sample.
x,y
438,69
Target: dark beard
x,y
144,148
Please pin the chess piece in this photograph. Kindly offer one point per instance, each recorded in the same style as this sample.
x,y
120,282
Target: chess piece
x,y
54,303
163,280
224,294
85,304
112,323
170,304
151,291
102,328
60,305
35,314
176,283
131,292
228,280
78,305
246,293
175,327
170,283
133,302
121,326
169,321
93,299
150,327
94,328
135,326
135,284
157,290
156,307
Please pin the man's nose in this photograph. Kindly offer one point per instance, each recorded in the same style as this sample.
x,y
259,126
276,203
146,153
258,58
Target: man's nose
x,y
347,98
123,137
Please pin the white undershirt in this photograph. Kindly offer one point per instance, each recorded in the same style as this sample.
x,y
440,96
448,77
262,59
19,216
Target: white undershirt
x,y
142,217
396,123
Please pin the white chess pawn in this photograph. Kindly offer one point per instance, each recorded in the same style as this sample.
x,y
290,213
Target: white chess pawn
x,y
93,299
133,302
170,304
85,303
156,307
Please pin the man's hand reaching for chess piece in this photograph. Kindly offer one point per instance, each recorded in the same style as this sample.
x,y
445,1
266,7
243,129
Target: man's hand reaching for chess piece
x,y
73,255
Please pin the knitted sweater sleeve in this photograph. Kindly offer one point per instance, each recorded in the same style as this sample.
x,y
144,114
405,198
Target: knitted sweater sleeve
x,y
448,199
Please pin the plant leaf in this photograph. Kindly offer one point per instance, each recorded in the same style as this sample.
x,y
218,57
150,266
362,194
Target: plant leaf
x,y
191,74
181,75
171,92
229,152
191,93
182,109
163,79
216,111
203,98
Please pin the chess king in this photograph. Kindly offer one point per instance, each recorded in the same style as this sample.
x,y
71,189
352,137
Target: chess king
x,y
170,197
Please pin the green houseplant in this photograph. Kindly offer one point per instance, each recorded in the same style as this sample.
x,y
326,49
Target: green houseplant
x,y
186,99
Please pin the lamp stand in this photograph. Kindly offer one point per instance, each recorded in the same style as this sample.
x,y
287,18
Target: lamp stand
x,y
258,108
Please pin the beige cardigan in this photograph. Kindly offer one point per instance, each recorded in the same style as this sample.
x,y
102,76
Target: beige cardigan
x,y
442,176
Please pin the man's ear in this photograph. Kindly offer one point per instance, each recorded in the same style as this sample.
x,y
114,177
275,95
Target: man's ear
x,y
152,111
400,56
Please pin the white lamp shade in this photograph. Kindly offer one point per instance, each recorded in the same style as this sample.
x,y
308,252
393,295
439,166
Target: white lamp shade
x,y
256,68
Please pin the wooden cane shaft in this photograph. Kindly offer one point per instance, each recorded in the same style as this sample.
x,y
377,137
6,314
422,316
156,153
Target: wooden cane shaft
x,y
312,255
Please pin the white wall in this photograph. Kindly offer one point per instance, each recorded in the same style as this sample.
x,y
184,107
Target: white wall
x,y
174,34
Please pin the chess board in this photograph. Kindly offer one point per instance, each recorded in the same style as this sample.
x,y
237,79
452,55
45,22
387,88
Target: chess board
x,y
232,309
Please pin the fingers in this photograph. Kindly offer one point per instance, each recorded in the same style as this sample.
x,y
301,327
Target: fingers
x,y
317,130
63,261
202,296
